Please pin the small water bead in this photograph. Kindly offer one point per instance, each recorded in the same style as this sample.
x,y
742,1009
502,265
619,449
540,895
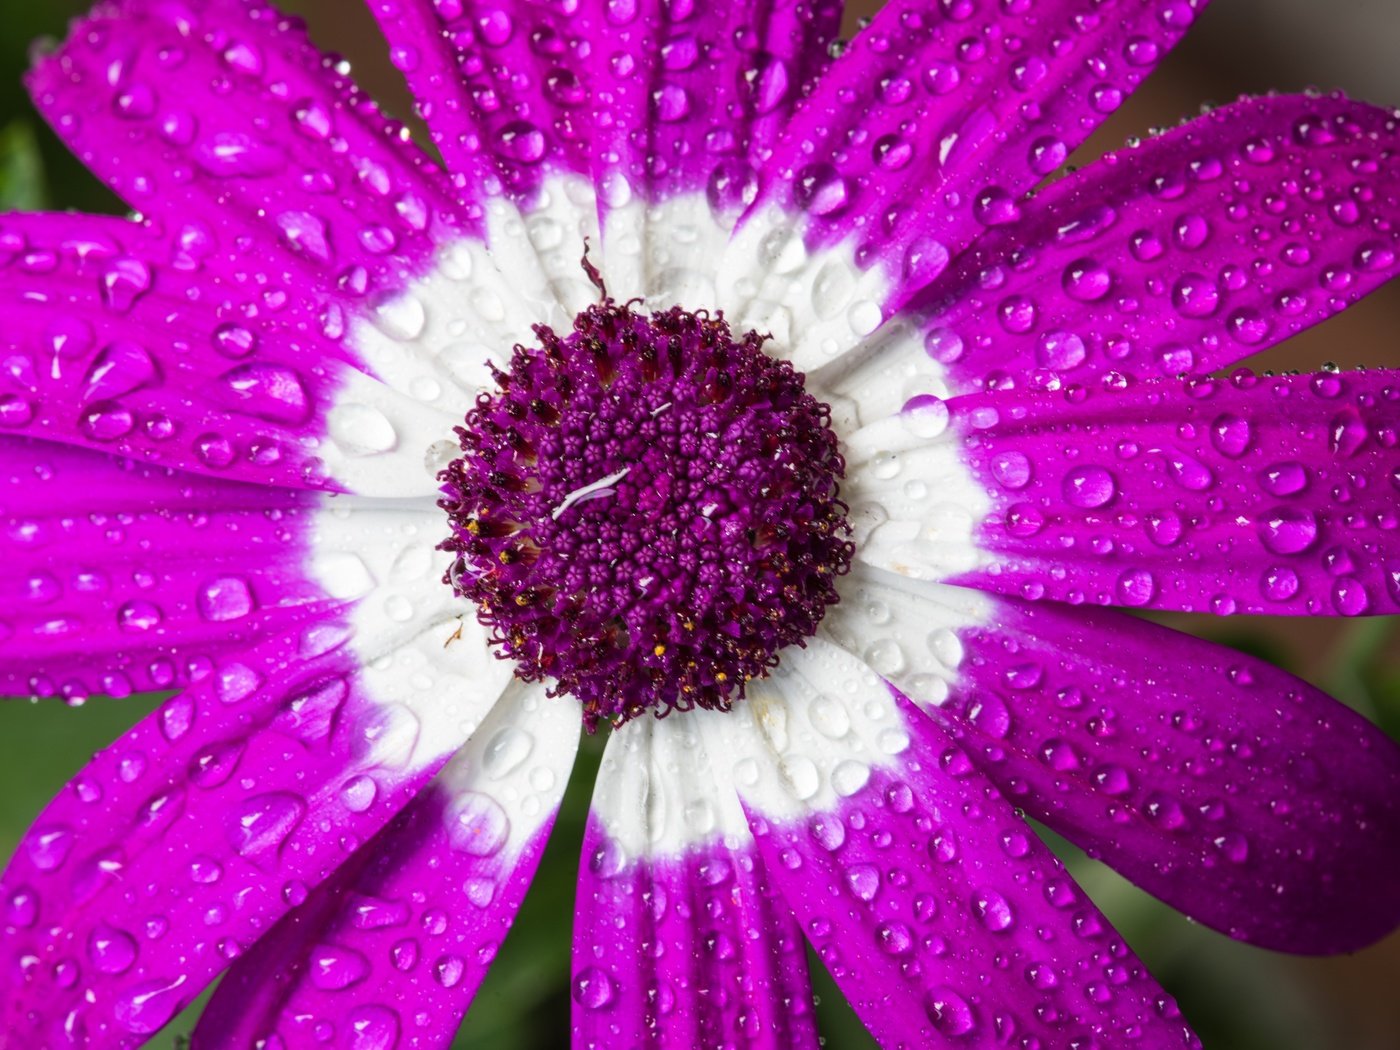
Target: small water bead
x,y
373,1027
1195,295
106,421
1350,597
1288,530
821,190
1136,587
477,825
147,1007
139,616
1017,314
119,369
994,206
593,989
1230,434
123,282
258,826
950,1013
1089,487
225,598
894,938
233,154
522,142
1087,280
1060,350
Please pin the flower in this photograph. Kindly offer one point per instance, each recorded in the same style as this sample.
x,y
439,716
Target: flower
x,y
863,588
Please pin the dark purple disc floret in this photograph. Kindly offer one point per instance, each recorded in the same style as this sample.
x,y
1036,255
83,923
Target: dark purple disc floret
x,y
646,510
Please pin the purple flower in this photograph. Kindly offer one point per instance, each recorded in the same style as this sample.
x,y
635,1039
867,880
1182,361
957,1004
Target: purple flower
x,y
864,588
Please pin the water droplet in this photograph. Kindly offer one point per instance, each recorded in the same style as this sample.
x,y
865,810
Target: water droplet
x,y
476,824
800,775
230,154
225,598
111,950
821,190
1012,470
268,391
950,1013
593,989
48,846
1230,434
147,1007
259,825
139,616
361,429
119,369
1087,280
1089,487
1287,530
864,880
332,967
106,421
925,416
373,1027
1136,587
522,142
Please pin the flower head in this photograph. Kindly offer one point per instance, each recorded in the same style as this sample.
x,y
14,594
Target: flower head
x,y
812,482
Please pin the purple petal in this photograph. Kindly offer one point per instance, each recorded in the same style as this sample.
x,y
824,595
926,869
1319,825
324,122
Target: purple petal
x,y
118,339
500,88
117,577
1273,495
938,912
543,91
1195,249
222,120
186,840
1235,792
678,940
925,116
403,933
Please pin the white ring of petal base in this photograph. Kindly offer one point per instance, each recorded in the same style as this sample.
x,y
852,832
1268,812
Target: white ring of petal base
x,y
908,632
817,305
809,735
425,659
505,783
658,793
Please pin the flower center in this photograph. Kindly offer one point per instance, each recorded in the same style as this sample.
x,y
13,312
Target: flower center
x,y
646,511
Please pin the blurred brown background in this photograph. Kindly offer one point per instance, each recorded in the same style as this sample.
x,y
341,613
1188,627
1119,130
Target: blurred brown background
x,y
1238,998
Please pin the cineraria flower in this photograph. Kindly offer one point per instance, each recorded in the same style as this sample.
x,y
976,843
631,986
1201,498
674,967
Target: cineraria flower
x,y
731,397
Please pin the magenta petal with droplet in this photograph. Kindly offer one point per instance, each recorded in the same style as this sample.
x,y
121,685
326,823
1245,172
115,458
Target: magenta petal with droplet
x,y
1183,254
118,578
685,951
942,916
918,134
1235,792
225,123
134,343
183,842
405,929
514,94
1249,494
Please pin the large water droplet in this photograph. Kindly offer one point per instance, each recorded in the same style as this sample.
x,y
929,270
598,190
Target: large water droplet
x,y
593,989
258,826
476,824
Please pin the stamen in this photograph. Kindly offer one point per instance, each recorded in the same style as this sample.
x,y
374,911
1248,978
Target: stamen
x,y
646,511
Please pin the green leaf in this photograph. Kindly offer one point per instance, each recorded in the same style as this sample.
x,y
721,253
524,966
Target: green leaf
x,y
21,169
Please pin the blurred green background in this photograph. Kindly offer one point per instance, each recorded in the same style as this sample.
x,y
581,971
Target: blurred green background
x,y
1238,998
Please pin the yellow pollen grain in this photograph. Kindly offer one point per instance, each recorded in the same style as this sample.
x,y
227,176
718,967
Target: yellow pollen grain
x,y
660,650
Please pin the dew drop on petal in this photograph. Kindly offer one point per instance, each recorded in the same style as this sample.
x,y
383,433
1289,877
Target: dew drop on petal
x,y
593,989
